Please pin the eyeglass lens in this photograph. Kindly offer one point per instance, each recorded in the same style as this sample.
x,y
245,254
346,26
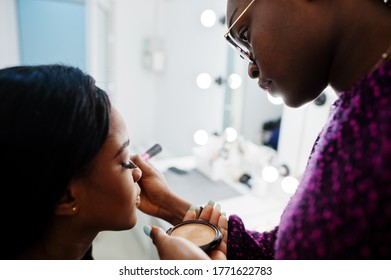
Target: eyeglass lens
x,y
243,52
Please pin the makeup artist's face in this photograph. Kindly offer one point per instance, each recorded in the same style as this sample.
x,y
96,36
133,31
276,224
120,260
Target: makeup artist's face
x,y
111,193
290,43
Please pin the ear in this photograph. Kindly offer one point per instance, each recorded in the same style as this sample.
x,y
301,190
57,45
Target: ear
x,y
67,206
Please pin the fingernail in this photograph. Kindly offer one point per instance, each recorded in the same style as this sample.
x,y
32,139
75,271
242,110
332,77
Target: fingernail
x,y
193,208
218,207
224,214
211,203
147,230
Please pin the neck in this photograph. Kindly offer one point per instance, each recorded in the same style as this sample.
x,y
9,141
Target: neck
x,y
363,39
60,243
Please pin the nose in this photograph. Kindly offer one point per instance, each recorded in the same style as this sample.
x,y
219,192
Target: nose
x,y
136,174
253,70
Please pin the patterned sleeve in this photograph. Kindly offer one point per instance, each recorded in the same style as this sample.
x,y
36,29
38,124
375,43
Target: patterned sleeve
x,y
249,245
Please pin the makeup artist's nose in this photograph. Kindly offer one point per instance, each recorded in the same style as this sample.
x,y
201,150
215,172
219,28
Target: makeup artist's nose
x,y
253,70
136,174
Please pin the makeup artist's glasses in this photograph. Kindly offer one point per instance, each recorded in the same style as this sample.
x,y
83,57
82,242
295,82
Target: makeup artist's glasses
x,y
242,50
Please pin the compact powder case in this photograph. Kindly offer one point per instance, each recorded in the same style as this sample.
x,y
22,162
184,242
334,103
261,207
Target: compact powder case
x,y
203,234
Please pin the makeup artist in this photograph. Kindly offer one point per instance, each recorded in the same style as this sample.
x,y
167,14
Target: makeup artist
x,y
342,208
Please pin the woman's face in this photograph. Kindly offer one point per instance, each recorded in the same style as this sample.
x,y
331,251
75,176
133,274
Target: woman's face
x,y
109,195
289,44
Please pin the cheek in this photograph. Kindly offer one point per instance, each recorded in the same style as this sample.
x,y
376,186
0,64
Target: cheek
x,y
267,52
115,191
114,206
122,190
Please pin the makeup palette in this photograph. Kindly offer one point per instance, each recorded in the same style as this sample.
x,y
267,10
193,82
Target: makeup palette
x,y
205,235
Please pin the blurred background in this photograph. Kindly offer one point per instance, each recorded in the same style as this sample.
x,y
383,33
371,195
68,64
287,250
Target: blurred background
x,y
167,68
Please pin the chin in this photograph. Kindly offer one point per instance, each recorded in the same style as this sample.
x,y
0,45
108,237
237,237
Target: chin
x,y
130,223
133,222
297,102
297,97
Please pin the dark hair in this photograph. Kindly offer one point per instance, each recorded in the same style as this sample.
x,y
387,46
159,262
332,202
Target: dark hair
x,y
53,120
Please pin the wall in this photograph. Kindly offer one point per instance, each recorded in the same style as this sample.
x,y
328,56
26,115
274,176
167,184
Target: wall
x,y
190,49
299,130
9,41
166,106
257,110
52,32
134,86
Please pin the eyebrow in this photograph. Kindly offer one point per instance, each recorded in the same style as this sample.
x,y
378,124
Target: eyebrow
x,y
123,147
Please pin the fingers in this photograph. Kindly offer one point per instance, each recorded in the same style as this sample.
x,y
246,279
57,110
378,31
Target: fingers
x,y
173,247
216,213
138,160
211,213
218,255
207,211
143,164
223,226
156,234
190,214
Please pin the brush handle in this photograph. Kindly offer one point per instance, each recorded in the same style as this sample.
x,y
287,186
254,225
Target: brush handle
x,y
154,150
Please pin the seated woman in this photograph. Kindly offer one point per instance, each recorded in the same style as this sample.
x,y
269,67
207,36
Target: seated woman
x,y
65,165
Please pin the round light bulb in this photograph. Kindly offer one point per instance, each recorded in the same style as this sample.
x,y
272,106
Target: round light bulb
x,y
234,81
201,137
289,184
270,174
231,134
276,100
208,18
204,80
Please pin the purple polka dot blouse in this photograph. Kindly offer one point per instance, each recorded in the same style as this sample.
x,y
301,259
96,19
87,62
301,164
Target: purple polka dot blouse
x,y
342,208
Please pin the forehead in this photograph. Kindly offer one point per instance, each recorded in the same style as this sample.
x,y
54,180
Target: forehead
x,y
117,124
116,137
118,134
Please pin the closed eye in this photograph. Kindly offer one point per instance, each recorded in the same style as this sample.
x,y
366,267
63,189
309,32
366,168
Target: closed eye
x,y
129,165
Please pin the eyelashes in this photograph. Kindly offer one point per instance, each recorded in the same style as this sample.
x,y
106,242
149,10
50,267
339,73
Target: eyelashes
x,y
245,40
243,37
129,165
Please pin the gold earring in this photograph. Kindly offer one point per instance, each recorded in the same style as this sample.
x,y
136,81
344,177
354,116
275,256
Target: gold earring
x,y
74,208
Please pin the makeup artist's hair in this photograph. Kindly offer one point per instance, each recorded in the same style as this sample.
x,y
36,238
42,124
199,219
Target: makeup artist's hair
x,y
53,120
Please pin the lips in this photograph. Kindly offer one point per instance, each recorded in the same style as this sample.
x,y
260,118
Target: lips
x,y
265,84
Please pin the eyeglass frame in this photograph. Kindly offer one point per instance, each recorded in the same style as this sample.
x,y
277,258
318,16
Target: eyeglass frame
x,y
231,41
